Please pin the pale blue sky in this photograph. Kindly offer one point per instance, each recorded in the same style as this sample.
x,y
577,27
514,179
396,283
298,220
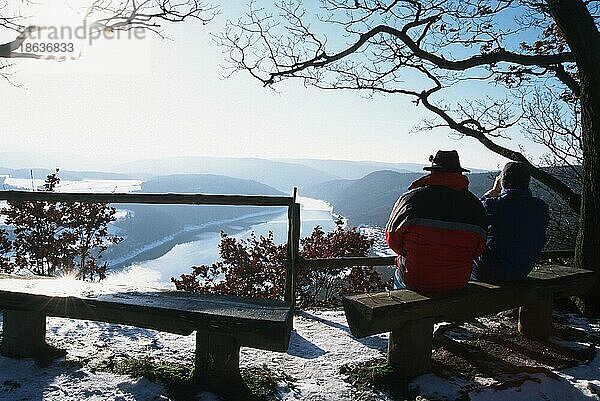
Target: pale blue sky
x,y
137,99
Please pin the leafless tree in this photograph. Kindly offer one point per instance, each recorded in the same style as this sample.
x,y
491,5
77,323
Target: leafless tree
x,y
97,16
531,56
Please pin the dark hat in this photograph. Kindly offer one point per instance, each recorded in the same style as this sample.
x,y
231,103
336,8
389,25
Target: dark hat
x,y
515,175
445,160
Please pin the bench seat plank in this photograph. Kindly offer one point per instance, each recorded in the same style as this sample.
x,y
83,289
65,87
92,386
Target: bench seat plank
x,y
369,314
258,323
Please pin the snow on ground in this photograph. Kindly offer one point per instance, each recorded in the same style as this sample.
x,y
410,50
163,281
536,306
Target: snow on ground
x,y
23,380
320,345
314,204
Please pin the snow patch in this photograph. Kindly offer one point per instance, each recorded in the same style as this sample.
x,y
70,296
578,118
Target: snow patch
x,y
320,344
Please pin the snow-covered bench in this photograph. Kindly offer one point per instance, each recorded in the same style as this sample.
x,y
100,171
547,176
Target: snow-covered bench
x,y
409,316
222,323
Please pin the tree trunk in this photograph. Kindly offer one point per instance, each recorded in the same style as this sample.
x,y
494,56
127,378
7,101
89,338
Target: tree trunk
x,y
580,32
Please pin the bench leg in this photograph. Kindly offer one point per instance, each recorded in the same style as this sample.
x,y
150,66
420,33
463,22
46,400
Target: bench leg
x,y
409,348
24,334
535,320
217,365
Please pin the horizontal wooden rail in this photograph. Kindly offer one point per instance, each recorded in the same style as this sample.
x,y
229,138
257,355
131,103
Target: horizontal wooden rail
x,y
162,199
558,254
390,260
348,261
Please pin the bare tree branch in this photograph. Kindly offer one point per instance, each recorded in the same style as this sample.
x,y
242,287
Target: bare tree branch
x,y
422,48
106,15
564,191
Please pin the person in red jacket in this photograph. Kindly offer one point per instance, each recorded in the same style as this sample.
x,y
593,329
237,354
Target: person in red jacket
x,y
437,228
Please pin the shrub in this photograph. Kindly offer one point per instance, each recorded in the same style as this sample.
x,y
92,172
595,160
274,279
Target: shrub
x,y
252,267
6,266
255,268
55,237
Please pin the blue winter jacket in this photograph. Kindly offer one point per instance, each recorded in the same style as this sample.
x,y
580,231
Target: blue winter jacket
x,y
516,236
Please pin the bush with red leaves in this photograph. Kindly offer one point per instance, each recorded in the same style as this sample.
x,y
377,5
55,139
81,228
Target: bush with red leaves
x,y
57,237
255,268
5,248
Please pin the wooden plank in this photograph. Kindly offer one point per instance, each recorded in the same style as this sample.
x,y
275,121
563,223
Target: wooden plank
x,y
257,323
409,348
296,244
535,319
290,262
348,261
149,198
380,312
391,260
24,334
293,244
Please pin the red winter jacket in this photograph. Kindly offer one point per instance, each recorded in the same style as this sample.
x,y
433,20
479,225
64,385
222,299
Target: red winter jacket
x,y
437,228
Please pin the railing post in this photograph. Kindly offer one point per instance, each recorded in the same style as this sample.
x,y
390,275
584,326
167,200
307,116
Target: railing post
x,y
296,245
292,249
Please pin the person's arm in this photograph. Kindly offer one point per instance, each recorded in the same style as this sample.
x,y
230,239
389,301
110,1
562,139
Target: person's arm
x,y
393,236
479,247
483,220
495,191
394,241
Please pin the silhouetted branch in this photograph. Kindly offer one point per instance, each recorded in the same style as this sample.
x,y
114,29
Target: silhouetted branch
x,y
109,16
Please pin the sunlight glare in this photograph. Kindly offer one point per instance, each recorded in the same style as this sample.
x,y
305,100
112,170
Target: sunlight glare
x,y
66,284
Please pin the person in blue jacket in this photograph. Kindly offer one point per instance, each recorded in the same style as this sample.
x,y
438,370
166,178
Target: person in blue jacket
x,y
517,230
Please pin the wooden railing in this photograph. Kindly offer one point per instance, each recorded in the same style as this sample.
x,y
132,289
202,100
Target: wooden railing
x,y
293,212
293,216
157,199
348,261
391,260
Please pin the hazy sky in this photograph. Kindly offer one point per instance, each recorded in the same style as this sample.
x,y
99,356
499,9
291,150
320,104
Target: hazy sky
x,y
152,98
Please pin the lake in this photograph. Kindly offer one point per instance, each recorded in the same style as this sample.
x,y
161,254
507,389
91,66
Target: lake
x,y
205,248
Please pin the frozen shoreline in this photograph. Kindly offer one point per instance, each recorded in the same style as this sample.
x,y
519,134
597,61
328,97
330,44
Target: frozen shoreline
x,y
197,245
189,232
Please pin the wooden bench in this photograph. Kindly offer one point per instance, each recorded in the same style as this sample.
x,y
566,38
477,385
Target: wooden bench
x,y
409,316
222,323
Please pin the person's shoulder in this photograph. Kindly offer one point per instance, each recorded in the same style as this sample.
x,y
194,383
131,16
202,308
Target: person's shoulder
x,y
539,203
415,192
534,200
538,200
472,198
407,196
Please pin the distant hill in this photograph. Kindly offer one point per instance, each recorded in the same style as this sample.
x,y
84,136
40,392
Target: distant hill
x,y
369,200
281,175
68,175
207,184
350,169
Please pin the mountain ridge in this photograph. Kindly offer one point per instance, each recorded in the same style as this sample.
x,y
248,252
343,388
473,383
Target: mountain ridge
x,y
280,175
368,200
